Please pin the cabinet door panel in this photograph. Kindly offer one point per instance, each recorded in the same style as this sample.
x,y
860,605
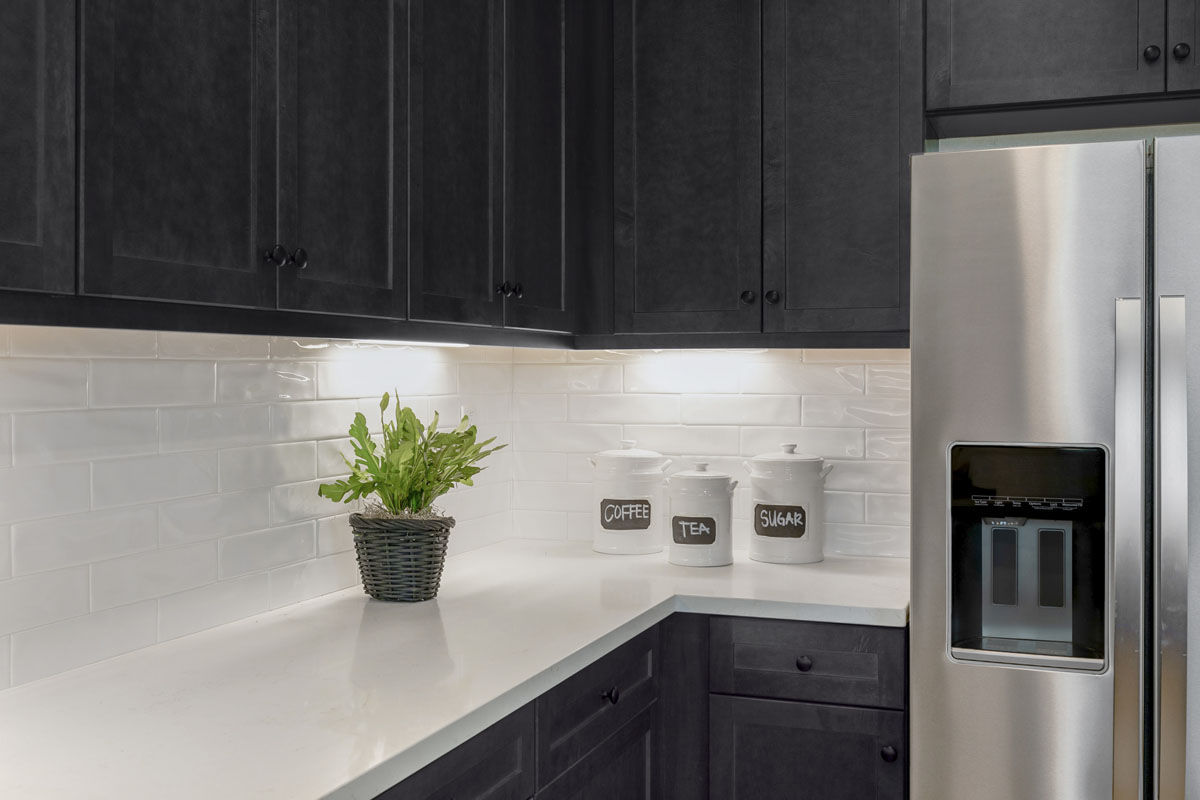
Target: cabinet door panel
x,y
774,748
455,159
344,129
179,149
687,165
623,766
1183,64
838,132
37,145
988,52
534,224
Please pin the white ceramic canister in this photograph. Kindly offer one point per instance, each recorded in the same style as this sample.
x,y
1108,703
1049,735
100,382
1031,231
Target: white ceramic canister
x,y
628,500
788,496
700,507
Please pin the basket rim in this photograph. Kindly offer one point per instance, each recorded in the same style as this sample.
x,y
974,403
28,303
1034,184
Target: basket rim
x,y
416,524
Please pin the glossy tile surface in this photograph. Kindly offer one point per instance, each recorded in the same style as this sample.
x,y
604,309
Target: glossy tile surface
x,y
341,697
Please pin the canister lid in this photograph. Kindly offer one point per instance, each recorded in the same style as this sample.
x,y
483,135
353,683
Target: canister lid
x,y
629,458
785,462
700,472
700,479
787,453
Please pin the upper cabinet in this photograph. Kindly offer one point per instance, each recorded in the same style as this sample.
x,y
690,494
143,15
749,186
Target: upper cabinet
x,y
687,165
992,52
37,145
343,136
179,150
842,114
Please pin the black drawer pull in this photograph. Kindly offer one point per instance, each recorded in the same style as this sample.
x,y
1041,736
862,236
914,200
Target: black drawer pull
x,y
1181,51
889,754
1152,53
748,297
804,663
517,291
277,255
299,258
611,695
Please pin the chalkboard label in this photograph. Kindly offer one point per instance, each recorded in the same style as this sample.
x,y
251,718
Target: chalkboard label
x,y
783,522
693,530
625,515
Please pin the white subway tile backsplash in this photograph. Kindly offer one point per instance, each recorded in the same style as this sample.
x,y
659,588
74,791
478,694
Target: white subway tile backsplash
x,y
57,436
262,381
318,420
58,542
868,476
145,479
35,600
147,575
888,444
334,535
888,509
529,524
213,516
313,578
824,442
854,412
539,466
857,356
805,379
845,507
42,384
38,340
260,550
56,648
563,379
685,439
213,604
5,662
485,378
401,371
888,380
680,373
35,492
539,407
329,457
565,437
5,440
472,534
735,409
5,552
480,501
291,502
172,344
267,465
623,408
210,427
552,496
867,540
152,383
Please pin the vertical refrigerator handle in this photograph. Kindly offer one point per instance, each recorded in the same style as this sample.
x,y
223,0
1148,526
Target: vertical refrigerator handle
x,y
1171,558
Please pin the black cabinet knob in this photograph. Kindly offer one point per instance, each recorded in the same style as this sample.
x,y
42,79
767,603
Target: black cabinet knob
x,y
748,297
771,297
1181,51
611,695
889,754
1151,53
277,255
504,289
299,257
804,663
517,291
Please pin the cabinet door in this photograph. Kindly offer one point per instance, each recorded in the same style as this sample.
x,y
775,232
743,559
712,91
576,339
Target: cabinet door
x,y
774,748
344,156
534,222
1182,43
838,131
496,764
455,160
179,113
37,145
987,52
623,766
687,165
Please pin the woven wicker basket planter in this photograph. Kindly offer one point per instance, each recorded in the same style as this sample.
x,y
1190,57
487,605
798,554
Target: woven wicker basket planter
x,y
401,559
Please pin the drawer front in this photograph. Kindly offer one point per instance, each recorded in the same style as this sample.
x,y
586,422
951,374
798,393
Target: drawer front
x,y
580,713
818,661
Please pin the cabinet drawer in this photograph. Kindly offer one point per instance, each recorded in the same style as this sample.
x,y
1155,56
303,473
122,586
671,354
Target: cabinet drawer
x,y
818,661
585,709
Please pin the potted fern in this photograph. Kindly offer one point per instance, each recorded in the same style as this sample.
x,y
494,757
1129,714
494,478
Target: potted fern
x,y
400,537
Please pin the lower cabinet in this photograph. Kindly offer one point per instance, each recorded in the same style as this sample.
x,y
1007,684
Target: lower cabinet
x,y
778,748
661,717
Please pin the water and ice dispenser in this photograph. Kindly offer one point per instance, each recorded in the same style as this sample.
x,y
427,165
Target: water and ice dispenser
x,y
1028,554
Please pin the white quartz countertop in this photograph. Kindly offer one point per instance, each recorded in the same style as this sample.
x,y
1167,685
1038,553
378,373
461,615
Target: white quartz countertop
x,y
342,696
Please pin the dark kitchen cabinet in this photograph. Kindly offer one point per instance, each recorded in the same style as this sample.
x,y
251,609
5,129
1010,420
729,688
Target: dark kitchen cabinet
x,y
775,748
992,52
179,150
623,766
343,136
456,160
687,165
1182,45
37,145
497,764
842,114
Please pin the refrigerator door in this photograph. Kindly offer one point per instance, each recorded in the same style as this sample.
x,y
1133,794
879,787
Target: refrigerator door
x,y
1028,269
1177,258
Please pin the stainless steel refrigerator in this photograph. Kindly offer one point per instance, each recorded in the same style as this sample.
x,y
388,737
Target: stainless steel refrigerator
x,y
1056,448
